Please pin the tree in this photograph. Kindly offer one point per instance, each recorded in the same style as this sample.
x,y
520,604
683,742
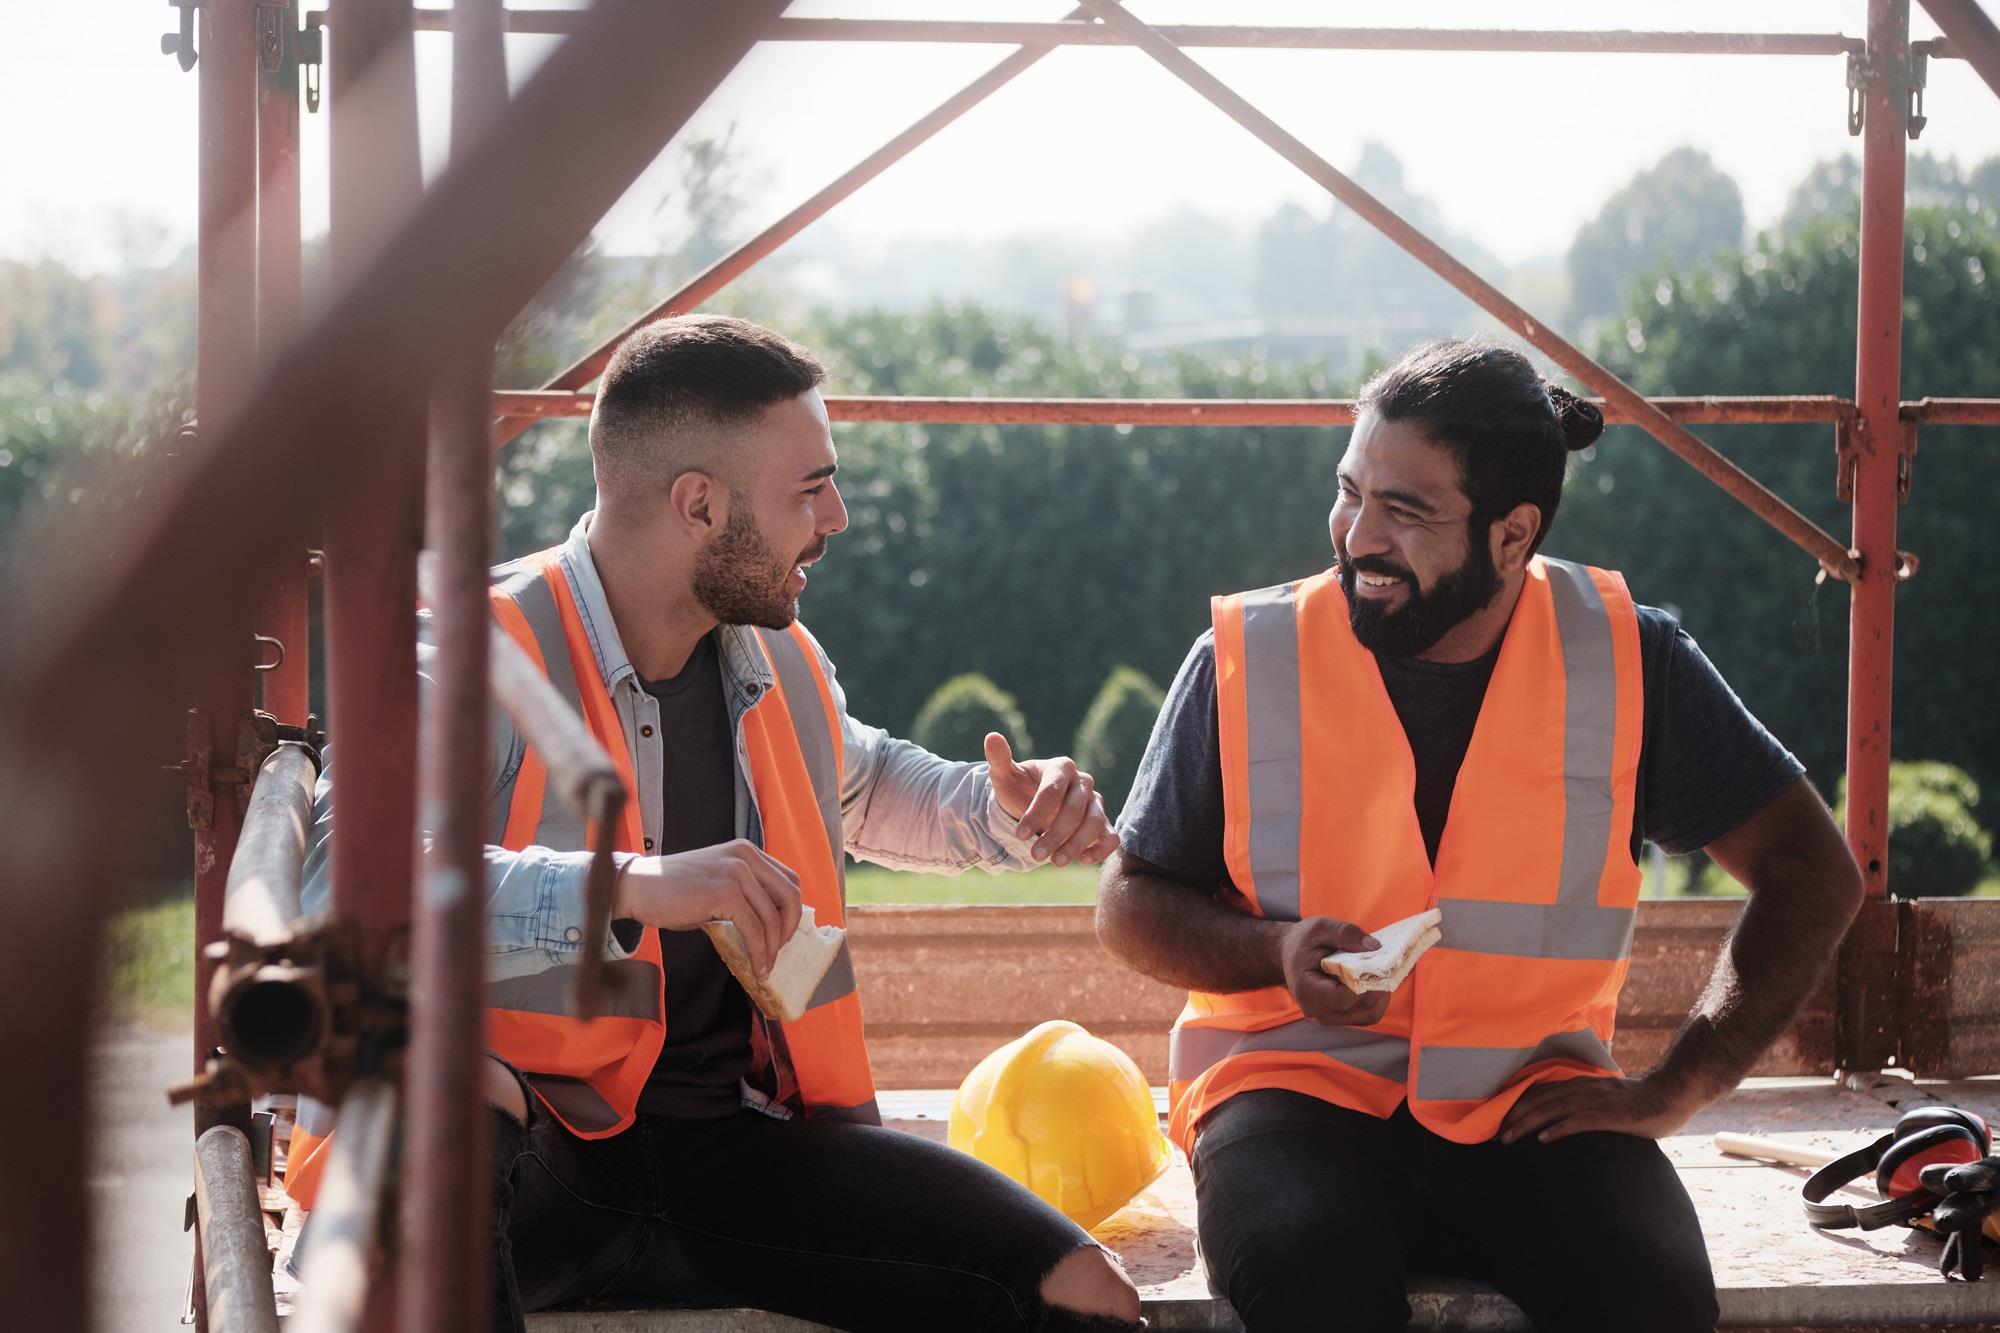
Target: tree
x,y
1680,209
1114,733
957,718
1937,848
1833,187
1780,318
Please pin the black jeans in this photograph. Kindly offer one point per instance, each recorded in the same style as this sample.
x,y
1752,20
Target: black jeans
x,y
851,1225
1312,1215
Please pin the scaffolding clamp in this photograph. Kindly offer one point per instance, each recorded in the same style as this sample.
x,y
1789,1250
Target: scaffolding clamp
x,y
1919,71
257,734
312,57
180,45
1857,90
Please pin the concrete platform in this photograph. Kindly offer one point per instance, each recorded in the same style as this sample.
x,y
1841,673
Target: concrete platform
x,y
1772,1271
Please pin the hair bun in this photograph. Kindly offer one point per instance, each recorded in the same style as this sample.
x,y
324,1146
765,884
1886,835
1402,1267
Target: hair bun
x,y
1581,422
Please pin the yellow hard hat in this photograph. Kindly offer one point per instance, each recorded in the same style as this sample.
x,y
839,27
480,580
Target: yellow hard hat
x,y
1066,1114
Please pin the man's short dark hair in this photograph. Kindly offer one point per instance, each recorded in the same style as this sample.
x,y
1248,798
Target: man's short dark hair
x,y
1510,430
673,392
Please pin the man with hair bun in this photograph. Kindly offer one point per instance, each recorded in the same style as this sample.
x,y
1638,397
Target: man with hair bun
x,y
1446,719
684,1147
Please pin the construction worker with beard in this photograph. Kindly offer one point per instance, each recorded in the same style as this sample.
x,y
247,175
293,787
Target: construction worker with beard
x,y
1446,719
683,1147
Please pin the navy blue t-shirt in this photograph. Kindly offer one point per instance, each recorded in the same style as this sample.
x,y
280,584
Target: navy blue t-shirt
x,y
1705,764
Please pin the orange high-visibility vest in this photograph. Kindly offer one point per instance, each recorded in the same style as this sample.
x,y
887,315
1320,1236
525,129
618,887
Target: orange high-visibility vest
x,y
1534,874
589,1074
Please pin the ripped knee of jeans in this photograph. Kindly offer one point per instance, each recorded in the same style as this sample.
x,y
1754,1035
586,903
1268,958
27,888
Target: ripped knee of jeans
x,y
1089,1290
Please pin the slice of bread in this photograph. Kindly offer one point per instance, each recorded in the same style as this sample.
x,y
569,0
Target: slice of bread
x,y
801,963
1402,943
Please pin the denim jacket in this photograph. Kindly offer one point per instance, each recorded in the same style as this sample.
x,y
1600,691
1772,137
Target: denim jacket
x,y
901,806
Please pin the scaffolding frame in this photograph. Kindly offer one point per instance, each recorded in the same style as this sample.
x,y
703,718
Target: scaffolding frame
x,y
378,1006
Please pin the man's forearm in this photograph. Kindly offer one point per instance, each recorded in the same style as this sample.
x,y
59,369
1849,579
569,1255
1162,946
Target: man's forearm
x,y
1159,926
1805,890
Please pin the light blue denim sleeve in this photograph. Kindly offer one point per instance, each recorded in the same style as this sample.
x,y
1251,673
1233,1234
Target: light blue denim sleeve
x,y
534,896
903,807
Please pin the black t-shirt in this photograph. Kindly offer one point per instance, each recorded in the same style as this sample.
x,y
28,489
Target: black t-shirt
x,y
708,1014
1705,764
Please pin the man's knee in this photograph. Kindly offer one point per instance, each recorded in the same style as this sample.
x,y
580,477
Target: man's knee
x,y
1089,1282
502,1089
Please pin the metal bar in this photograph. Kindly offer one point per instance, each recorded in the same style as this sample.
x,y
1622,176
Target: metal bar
x,y
1830,554
236,1254
1973,36
347,1217
286,615
225,368
1231,35
1952,411
540,404
261,898
731,266
131,625
1878,370
445,1228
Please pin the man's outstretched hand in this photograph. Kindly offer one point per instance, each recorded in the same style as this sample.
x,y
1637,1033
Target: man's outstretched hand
x,y
1053,803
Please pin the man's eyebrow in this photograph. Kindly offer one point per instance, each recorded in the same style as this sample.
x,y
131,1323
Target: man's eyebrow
x,y
820,472
1407,499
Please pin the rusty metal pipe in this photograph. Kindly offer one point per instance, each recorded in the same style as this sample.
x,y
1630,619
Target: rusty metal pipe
x,y
552,22
1952,411
446,1232
235,1253
539,404
1831,555
261,897
733,265
1878,370
270,1016
1973,36
347,1218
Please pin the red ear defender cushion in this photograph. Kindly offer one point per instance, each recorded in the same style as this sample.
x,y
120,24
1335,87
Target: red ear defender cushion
x,y
1906,1158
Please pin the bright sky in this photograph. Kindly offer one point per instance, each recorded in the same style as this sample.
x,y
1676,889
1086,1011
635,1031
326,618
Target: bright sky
x,y
1516,149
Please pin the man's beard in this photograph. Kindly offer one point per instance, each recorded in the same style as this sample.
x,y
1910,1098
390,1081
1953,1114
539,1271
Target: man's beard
x,y
1424,616
740,580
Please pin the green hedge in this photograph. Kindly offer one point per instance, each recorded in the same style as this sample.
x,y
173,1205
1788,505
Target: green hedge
x,y
1114,733
955,719
1937,848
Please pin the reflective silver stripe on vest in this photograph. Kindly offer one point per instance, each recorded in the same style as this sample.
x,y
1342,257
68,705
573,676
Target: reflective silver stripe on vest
x,y
559,826
861,1113
800,683
575,1101
631,990
838,981
1195,1050
1473,1073
1274,743
1575,927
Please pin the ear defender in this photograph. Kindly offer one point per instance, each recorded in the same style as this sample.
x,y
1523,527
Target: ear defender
x,y
1934,1139
1925,1116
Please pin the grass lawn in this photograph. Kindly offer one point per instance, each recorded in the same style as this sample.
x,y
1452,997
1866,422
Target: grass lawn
x,y
1049,884
149,964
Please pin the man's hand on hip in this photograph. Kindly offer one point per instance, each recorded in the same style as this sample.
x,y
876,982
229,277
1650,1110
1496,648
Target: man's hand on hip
x,y
732,881
1643,1107
1324,999
1054,803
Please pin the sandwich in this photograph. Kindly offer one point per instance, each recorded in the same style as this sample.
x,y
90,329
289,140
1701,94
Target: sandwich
x,y
1384,968
801,963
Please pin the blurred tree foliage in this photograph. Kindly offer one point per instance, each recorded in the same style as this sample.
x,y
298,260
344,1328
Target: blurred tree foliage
x,y
1780,318
1680,209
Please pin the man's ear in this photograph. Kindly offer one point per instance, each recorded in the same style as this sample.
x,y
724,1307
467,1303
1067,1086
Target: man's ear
x,y
699,504
1514,536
